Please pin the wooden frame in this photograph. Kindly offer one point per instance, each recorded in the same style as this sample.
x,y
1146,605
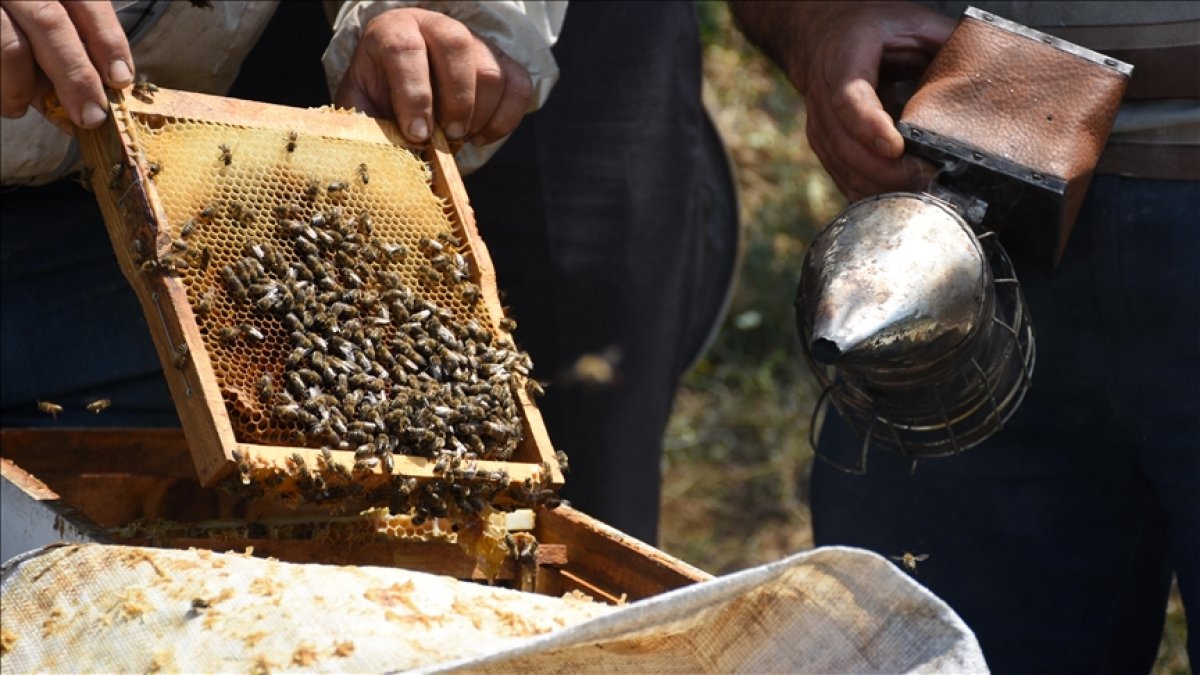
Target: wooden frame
x,y
131,206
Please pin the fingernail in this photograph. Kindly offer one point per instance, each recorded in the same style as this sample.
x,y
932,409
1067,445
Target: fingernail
x,y
93,115
883,147
418,129
119,72
478,141
455,131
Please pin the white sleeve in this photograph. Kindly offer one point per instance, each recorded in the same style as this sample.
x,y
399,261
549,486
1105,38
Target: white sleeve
x,y
525,31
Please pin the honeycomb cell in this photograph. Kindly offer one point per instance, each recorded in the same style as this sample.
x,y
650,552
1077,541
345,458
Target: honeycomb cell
x,y
310,239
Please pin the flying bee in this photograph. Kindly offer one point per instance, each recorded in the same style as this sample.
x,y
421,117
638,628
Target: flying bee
x,y
98,405
181,355
200,603
51,408
292,138
909,560
362,173
153,169
226,154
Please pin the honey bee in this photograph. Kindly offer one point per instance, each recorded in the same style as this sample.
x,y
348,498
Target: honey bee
x,y
508,324
143,90
229,335
450,239
336,187
266,389
909,560
50,407
181,355
312,190
85,178
226,154
253,335
98,405
205,258
204,304
208,212
471,293
179,245
153,169
200,603
114,176
292,138
149,266
188,228
362,173
427,243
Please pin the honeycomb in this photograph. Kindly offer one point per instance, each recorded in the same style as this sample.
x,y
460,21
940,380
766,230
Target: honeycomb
x,y
334,295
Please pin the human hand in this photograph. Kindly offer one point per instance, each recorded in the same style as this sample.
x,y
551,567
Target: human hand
x,y
410,61
74,48
852,135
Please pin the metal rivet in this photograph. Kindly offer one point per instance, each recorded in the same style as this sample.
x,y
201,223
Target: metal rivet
x,y
977,155
1110,62
1047,39
916,133
988,17
1037,176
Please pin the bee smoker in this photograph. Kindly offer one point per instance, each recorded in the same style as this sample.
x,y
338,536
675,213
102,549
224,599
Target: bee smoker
x,y
909,309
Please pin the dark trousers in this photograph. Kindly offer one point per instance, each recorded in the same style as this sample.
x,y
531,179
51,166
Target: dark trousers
x,y
1056,539
593,213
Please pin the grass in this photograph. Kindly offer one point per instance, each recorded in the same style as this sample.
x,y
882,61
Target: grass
x,y
737,455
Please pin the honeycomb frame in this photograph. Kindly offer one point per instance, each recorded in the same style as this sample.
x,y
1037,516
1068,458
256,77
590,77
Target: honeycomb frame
x,y
126,181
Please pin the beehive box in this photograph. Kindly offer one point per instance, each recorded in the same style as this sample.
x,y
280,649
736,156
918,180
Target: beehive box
x,y
138,487
323,306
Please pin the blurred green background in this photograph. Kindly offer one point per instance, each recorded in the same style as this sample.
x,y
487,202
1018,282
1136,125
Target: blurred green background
x,y
737,455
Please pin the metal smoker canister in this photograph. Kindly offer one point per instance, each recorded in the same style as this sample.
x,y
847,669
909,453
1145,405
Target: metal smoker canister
x,y
909,310
923,320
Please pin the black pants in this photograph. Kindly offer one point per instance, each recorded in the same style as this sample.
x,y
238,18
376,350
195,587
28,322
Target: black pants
x,y
593,214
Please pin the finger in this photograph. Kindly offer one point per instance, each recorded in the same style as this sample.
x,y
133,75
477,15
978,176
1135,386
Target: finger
x,y
18,72
489,88
351,94
857,171
60,54
452,55
399,50
514,102
104,40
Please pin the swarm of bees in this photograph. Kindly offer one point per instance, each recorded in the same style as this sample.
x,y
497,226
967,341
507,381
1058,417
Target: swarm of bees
x,y
372,367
